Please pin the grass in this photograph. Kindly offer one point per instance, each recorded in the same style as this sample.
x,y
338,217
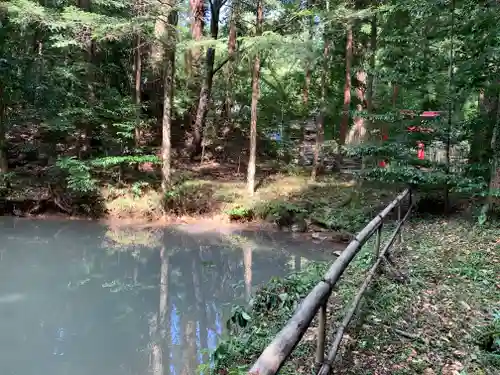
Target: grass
x,y
443,320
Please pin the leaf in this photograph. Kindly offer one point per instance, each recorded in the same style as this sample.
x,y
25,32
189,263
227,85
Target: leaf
x,y
245,316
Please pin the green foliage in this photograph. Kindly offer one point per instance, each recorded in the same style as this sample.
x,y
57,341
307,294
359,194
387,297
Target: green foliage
x,y
279,211
184,198
130,160
489,337
138,188
5,182
351,218
251,330
78,175
240,213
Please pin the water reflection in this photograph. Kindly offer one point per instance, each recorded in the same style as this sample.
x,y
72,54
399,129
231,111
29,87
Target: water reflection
x,y
85,298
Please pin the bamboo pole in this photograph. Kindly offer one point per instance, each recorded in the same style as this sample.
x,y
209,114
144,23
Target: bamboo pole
x,y
400,236
276,353
325,369
274,356
377,241
320,344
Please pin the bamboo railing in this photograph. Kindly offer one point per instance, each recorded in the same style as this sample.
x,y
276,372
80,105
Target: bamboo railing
x,y
278,351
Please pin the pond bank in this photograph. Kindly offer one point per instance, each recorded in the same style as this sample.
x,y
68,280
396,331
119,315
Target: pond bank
x,y
443,320
329,209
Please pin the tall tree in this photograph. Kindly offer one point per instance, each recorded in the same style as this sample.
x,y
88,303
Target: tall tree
x,y
4,166
320,122
344,125
255,101
206,89
307,80
168,97
89,51
137,87
197,8
231,49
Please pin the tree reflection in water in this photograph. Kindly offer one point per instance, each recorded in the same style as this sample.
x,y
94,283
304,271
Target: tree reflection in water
x,y
129,300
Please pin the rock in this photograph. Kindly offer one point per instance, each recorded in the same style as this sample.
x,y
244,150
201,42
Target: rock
x,y
299,226
319,236
429,371
452,368
283,218
317,228
338,237
459,354
342,237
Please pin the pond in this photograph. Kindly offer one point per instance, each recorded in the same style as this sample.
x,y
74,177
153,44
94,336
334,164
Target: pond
x,y
85,298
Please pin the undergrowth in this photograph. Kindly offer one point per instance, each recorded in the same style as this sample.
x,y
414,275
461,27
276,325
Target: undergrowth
x,y
289,201
442,318
250,329
445,319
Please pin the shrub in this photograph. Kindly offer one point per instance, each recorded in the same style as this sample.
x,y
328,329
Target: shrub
x,y
189,199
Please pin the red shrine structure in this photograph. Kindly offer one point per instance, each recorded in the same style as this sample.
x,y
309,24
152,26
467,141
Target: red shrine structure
x,y
426,115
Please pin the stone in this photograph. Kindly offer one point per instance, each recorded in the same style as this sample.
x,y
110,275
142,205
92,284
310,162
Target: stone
x,y
319,236
299,226
452,368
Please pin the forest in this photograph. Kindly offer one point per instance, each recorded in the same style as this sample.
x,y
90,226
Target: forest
x,y
111,98
268,109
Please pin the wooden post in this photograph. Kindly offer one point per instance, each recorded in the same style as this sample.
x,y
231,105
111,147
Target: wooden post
x,y
320,344
400,235
378,239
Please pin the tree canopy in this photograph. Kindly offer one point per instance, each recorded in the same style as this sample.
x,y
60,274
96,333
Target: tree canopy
x,y
93,90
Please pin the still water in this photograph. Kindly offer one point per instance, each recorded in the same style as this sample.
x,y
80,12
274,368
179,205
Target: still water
x,y
84,298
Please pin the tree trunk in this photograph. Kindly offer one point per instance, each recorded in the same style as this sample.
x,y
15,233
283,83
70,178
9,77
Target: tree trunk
x,y
206,89
307,84
347,87
163,312
168,98
197,24
307,80
253,111
4,165
357,133
483,129
320,123
231,49
157,60
89,57
137,89
494,186
193,56
189,347
385,125
371,76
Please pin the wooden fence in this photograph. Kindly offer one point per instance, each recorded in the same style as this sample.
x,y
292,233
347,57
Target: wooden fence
x,y
278,351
